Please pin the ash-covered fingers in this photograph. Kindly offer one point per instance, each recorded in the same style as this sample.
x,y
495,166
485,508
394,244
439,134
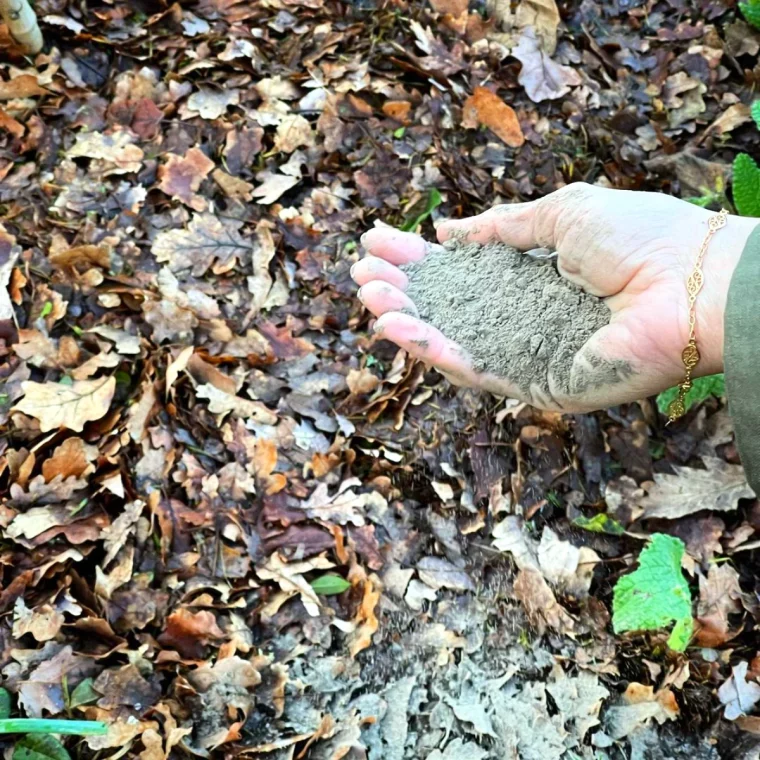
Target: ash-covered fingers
x,y
380,297
427,344
394,246
374,268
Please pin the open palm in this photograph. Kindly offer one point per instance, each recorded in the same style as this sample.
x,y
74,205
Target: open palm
x,y
633,249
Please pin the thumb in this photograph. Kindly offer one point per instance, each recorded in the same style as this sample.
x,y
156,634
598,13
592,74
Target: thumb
x,y
525,226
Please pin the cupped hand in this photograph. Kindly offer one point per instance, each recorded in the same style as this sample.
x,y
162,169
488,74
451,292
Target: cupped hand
x,y
634,249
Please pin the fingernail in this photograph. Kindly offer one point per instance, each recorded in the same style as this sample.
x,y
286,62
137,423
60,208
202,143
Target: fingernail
x,y
378,327
363,239
359,295
352,270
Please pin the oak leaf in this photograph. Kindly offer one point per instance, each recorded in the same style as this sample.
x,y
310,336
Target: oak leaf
x,y
543,16
719,487
56,405
115,149
542,78
205,242
273,186
485,107
211,104
181,176
224,403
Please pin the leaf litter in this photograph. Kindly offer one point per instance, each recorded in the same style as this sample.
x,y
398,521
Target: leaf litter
x,y
235,523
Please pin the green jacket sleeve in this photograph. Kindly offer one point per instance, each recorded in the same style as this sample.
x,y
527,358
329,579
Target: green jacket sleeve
x,y
741,357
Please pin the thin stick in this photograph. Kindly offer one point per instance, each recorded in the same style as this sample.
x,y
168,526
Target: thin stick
x,y
22,24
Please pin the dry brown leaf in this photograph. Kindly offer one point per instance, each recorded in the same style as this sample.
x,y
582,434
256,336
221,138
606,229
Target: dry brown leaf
x,y
640,704
207,242
56,405
181,176
43,622
365,621
233,187
103,360
226,403
485,107
176,366
8,123
734,116
273,186
362,381
541,606
99,255
294,131
543,17
398,109
23,86
289,576
719,596
718,487
116,149
116,534
72,458
139,414
542,77
189,632
121,573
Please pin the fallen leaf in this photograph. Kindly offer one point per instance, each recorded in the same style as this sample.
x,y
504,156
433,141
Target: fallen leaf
x,y
294,131
56,405
226,403
737,694
99,255
116,534
212,104
273,186
72,458
542,78
718,487
181,176
541,606
485,107
438,573
543,16
289,576
365,621
23,86
719,596
233,187
116,149
639,705
189,632
43,622
207,242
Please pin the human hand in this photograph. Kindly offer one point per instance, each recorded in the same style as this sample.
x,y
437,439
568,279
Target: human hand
x,y
634,249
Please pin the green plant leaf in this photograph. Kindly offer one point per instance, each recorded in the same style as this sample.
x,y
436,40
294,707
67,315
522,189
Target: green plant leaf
x,y
5,703
656,593
84,694
52,726
40,747
755,111
703,387
434,200
746,185
330,584
751,11
601,523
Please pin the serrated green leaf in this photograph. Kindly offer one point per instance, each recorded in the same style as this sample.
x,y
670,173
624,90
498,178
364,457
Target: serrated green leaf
x,y
746,185
703,387
755,112
40,747
601,523
330,584
656,594
84,694
751,11
5,703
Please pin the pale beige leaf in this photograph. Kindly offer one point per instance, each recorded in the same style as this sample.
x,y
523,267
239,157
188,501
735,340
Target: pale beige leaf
x,y
542,77
116,149
294,131
289,576
71,406
543,16
273,186
211,104
177,366
225,403
718,487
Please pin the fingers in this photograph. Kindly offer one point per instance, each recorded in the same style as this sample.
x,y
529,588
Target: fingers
x,y
380,297
374,268
394,246
537,224
427,344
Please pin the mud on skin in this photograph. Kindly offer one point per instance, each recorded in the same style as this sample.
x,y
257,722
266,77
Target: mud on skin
x,y
515,315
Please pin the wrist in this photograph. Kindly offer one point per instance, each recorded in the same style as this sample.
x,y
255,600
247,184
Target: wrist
x,y
722,257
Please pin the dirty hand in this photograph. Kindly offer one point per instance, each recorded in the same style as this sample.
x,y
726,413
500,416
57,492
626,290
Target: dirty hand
x,y
634,249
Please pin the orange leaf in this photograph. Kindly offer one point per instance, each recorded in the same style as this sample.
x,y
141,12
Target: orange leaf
x,y
484,107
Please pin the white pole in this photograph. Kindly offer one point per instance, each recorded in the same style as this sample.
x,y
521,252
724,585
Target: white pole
x,y
22,24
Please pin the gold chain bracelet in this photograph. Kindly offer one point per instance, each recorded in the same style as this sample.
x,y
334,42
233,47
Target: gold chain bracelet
x,y
690,355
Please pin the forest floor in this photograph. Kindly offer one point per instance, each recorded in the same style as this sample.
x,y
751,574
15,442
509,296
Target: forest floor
x,y
199,431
